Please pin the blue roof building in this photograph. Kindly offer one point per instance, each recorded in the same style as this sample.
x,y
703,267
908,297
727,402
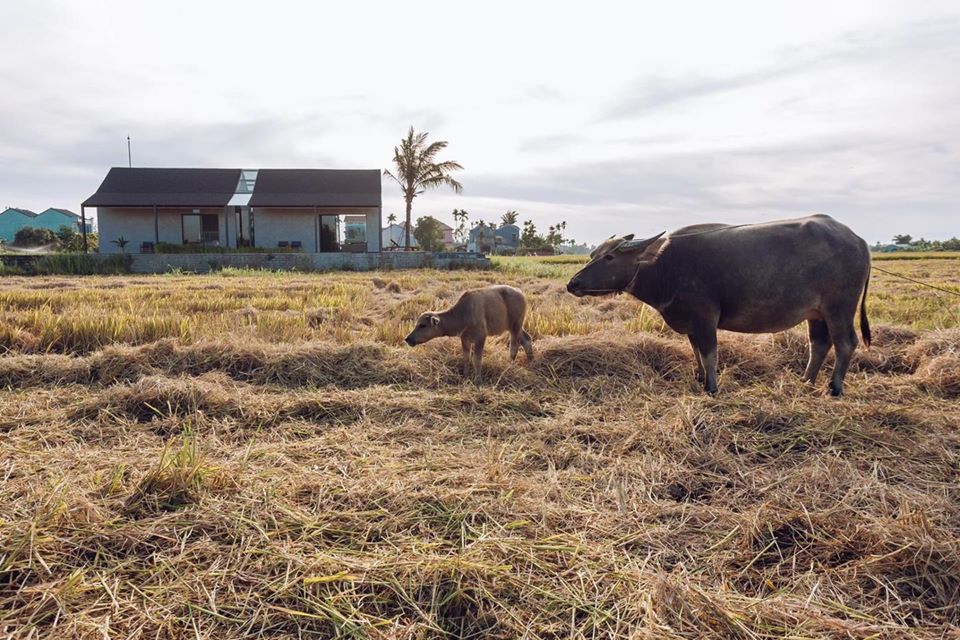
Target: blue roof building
x,y
12,220
54,218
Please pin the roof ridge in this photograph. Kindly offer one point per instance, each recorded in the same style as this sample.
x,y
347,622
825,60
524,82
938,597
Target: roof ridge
x,y
28,212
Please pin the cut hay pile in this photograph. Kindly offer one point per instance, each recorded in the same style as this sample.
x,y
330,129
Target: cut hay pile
x,y
242,488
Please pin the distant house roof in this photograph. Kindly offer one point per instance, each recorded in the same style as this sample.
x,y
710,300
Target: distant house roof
x,y
316,187
144,187
65,212
137,187
23,212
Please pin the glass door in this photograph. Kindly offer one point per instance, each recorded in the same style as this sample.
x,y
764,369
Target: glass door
x,y
329,234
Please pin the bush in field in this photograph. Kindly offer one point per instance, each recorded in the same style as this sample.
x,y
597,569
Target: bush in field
x,y
428,233
69,239
81,264
34,237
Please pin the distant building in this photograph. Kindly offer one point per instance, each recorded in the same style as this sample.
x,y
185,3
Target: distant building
x,y
12,220
508,237
488,239
54,218
890,248
447,233
393,236
309,210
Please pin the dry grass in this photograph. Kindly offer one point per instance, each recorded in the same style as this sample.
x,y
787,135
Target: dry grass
x,y
244,456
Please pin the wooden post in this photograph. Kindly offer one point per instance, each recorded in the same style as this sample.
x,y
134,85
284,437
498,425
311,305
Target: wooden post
x,y
156,228
83,227
316,227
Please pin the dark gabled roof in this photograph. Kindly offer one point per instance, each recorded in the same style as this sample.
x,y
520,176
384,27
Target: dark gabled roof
x,y
316,187
143,187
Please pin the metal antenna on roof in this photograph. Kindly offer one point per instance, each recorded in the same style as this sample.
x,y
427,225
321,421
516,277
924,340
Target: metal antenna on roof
x,y
129,156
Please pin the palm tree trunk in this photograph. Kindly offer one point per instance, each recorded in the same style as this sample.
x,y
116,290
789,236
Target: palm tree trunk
x,y
407,229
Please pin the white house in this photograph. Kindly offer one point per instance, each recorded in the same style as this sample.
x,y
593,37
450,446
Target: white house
x,y
393,236
310,210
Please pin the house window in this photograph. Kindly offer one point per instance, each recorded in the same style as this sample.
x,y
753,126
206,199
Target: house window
x,y
201,229
248,180
355,231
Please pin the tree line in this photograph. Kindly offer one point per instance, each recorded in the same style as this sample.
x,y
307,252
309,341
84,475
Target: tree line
x,y
417,168
907,242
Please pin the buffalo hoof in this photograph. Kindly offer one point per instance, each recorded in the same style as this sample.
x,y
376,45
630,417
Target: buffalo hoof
x,y
835,391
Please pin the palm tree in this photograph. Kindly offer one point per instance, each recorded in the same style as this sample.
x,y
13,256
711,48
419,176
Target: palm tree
x,y
510,217
417,170
460,219
391,218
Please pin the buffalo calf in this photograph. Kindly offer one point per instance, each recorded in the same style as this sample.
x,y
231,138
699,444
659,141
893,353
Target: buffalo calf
x,y
478,313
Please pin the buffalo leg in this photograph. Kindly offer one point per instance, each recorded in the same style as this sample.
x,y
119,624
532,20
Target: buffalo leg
x,y
696,354
478,357
844,342
465,345
527,344
514,344
820,344
705,341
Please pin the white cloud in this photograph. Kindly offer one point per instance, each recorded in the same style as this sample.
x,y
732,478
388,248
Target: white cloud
x,y
614,119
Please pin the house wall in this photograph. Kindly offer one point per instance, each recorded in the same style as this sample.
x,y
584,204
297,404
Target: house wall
x,y
53,220
136,225
270,225
12,221
273,224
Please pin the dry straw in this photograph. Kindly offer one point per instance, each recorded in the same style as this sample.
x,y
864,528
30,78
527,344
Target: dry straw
x,y
298,484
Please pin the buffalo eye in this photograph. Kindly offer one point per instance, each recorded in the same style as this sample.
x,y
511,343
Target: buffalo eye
x,y
608,257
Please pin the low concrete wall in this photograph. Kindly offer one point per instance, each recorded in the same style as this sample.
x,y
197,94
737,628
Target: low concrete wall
x,y
204,262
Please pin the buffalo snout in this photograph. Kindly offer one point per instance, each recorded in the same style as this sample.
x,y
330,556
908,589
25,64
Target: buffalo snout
x,y
410,341
574,287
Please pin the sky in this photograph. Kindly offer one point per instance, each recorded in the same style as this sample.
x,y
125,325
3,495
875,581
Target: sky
x,y
614,117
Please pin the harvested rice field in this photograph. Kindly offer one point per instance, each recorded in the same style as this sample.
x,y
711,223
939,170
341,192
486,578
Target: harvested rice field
x,y
258,455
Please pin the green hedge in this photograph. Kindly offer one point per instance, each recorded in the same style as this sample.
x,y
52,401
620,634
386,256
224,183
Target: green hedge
x,y
80,264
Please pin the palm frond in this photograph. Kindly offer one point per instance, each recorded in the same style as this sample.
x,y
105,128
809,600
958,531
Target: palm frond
x,y
437,181
387,174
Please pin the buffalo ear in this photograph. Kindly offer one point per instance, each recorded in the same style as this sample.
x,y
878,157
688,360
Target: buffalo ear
x,y
435,321
638,246
628,237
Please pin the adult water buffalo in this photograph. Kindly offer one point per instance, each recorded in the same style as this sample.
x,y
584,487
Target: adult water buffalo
x,y
758,278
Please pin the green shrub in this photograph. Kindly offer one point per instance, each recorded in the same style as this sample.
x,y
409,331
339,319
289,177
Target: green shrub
x,y
81,264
